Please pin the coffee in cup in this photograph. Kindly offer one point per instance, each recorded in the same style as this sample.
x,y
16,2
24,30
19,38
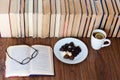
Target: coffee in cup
x,y
99,35
98,39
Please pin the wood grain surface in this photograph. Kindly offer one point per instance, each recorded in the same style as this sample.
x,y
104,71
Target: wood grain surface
x,y
103,64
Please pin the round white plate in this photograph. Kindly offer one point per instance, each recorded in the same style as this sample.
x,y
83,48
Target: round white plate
x,y
79,58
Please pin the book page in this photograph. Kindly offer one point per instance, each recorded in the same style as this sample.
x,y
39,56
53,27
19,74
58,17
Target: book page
x,y
18,53
42,64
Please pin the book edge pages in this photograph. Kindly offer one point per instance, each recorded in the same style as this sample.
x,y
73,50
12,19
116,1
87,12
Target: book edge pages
x,y
83,19
52,23
110,16
40,19
46,18
5,22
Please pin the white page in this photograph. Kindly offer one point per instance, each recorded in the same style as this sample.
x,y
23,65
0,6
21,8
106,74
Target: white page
x,y
42,64
19,53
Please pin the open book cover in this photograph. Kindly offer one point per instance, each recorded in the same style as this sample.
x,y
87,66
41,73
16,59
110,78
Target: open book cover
x,y
23,60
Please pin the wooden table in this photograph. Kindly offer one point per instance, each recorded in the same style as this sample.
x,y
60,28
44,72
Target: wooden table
x,y
99,65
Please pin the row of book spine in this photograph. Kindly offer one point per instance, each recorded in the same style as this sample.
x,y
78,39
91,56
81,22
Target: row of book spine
x,y
58,18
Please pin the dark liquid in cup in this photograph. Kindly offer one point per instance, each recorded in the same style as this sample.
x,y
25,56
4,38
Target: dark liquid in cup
x,y
99,35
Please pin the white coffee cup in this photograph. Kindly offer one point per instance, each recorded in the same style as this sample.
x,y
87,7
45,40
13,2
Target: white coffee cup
x,y
98,38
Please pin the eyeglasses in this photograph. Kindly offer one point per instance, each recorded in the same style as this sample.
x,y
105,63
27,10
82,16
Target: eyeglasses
x,y
26,60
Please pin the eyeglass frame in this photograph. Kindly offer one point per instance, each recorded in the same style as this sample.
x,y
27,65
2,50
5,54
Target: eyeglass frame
x,y
29,58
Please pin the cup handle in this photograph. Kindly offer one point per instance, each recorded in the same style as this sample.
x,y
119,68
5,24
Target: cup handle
x,y
106,40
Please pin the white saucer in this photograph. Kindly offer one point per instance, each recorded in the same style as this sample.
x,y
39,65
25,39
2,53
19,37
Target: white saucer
x,y
79,58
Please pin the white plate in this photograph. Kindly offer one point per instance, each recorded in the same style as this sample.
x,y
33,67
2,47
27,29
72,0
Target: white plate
x,y
79,58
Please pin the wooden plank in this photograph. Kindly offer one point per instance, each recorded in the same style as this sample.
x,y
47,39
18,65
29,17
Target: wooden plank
x,y
106,60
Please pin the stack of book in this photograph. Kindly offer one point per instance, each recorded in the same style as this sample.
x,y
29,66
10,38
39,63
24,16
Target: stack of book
x,y
58,18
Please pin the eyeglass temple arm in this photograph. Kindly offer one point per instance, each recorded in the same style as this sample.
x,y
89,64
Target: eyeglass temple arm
x,y
12,58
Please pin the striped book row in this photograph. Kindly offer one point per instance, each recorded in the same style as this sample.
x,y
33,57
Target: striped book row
x,y
58,18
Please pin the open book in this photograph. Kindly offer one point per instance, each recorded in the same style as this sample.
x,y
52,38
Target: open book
x,y
23,60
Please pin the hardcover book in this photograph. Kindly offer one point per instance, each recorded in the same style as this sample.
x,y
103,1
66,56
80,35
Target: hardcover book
x,y
117,27
23,60
99,12
45,18
110,17
5,30
62,18
89,15
66,18
92,19
77,17
52,22
57,20
40,18
113,25
15,18
71,17
83,19
105,14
